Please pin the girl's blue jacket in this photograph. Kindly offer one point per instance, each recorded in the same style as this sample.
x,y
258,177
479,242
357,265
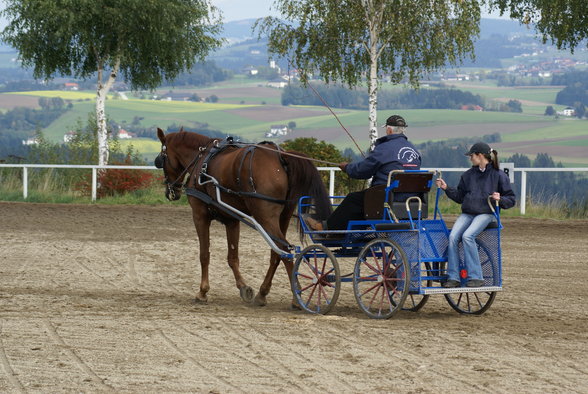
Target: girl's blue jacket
x,y
475,186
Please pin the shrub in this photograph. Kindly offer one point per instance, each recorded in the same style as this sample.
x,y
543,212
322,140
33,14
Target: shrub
x,y
118,181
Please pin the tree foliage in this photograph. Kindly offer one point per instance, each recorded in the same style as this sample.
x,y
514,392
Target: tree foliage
x,y
564,22
354,40
145,41
322,150
151,39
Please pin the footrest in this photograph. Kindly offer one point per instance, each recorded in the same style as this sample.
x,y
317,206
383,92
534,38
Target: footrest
x,y
453,290
393,226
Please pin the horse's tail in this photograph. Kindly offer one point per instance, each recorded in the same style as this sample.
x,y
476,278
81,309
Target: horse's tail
x,y
305,180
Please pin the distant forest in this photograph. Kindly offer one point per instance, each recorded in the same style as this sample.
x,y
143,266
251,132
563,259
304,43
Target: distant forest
x,y
342,97
575,94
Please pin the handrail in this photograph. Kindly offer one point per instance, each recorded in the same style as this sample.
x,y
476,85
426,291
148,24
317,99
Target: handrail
x,y
332,170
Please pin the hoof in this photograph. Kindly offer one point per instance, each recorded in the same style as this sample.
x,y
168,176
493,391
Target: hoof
x,y
246,293
201,298
259,300
294,306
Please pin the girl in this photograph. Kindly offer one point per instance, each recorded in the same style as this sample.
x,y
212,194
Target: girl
x,y
482,180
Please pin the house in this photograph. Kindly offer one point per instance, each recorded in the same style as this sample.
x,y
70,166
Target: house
x,y
277,83
71,86
69,136
471,107
125,135
568,111
277,131
250,70
31,141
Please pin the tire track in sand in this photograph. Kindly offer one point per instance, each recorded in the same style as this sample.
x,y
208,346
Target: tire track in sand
x,y
291,378
56,338
291,350
10,374
208,371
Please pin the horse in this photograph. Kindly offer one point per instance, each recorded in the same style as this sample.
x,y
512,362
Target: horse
x,y
259,180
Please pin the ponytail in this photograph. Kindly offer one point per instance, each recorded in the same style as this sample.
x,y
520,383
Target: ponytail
x,y
493,158
494,161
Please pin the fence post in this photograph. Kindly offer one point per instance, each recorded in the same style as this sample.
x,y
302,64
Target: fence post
x,y
25,182
94,184
523,192
331,182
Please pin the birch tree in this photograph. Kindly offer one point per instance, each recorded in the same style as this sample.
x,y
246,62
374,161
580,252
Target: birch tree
x,y
141,42
362,41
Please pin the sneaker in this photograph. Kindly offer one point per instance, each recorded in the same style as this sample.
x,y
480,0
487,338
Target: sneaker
x,y
475,283
452,283
313,224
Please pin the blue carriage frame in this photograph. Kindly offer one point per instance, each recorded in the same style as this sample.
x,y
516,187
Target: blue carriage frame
x,y
423,242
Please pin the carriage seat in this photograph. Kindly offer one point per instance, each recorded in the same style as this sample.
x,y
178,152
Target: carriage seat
x,y
418,183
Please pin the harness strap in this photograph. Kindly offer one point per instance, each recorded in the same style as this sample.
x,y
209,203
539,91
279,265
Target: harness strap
x,y
251,194
205,198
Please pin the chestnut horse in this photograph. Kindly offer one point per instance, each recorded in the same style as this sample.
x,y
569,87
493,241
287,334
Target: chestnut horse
x,y
260,181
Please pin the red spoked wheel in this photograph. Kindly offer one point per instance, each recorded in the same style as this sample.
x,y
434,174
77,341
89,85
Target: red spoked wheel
x,y
316,279
381,278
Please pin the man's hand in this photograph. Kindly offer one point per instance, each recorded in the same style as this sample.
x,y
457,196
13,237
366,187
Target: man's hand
x,y
343,166
496,196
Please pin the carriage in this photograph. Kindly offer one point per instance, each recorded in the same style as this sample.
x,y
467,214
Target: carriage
x,y
399,255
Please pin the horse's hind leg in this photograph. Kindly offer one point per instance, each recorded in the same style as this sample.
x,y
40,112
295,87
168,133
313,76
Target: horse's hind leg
x,y
264,289
233,228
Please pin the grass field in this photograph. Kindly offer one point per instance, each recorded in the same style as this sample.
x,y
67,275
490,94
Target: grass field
x,y
529,132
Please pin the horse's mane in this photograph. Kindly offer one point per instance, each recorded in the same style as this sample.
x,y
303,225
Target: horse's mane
x,y
190,139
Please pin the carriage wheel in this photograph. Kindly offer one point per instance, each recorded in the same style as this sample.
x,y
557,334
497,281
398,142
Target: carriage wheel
x,y
316,279
414,302
381,278
479,302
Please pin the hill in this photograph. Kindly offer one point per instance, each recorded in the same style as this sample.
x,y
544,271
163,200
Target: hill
x,y
529,132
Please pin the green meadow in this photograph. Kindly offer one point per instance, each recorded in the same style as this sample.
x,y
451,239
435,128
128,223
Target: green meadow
x,y
252,121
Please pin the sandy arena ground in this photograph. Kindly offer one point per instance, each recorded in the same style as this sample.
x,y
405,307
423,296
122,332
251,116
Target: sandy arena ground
x,y
101,298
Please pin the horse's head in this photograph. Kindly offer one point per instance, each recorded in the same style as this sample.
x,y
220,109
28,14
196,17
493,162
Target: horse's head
x,y
173,170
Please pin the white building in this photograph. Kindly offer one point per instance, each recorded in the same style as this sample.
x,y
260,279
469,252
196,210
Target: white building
x,y
67,137
31,141
277,131
568,111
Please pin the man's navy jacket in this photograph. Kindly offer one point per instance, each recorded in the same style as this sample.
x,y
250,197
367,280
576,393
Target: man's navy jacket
x,y
391,152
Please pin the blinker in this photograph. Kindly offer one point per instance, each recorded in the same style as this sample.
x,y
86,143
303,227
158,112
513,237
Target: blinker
x,y
159,160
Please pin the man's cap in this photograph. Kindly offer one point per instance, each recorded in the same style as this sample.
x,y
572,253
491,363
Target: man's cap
x,y
479,147
395,120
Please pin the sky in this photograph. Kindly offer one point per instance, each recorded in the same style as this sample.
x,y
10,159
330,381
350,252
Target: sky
x,y
234,10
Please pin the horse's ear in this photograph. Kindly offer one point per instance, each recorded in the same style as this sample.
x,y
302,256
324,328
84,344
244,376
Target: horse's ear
x,y
161,135
182,129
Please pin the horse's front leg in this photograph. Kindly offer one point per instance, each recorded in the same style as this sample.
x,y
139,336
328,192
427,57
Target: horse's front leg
x,y
233,231
202,224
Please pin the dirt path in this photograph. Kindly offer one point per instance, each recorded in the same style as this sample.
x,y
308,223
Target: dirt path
x,y
101,298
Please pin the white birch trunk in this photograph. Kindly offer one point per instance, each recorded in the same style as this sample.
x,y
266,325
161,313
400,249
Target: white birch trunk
x,y
373,99
374,13
101,92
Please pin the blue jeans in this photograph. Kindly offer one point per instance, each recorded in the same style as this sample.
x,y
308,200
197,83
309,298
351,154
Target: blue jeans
x,y
466,228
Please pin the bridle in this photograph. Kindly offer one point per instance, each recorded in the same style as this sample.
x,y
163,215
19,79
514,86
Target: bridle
x,y
178,183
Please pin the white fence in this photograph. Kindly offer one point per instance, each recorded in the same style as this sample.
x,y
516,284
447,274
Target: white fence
x,y
523,173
